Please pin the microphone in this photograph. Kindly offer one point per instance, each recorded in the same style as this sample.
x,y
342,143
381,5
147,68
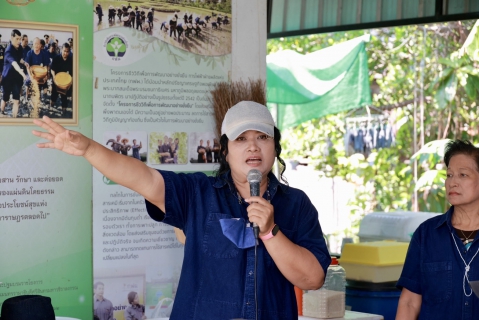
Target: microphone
x,y
254,179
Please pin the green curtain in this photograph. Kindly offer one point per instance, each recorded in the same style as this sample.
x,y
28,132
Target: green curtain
x,y
305,87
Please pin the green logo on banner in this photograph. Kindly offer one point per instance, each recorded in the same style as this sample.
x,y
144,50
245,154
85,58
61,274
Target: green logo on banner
x,y
108,181
116,47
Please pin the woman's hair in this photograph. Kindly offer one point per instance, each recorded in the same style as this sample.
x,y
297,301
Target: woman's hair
x,y
225,167
464,147
131,296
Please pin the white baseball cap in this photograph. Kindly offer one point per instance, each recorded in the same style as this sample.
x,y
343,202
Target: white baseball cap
x,y
247,115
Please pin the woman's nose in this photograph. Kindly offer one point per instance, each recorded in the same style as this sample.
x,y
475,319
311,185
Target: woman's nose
x,y
253,145
452,182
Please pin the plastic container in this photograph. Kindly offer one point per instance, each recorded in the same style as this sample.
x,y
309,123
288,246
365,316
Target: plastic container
x,y
329,301
377,261
384,303
397,225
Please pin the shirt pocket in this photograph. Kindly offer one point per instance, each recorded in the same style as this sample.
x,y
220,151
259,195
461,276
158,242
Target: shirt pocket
x,y
437,281
215,243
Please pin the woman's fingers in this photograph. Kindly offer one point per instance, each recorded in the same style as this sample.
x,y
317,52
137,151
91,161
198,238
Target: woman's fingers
x,y
42,124
44,135
49,145
53,125
260,211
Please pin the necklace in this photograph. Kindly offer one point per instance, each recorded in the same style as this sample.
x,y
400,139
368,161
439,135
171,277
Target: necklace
x,y
467,267
466,239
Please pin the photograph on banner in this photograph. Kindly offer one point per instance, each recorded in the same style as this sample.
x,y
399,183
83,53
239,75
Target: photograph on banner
x,y
133,144
161,285
168,148
39,75
204,147
118,295
200,27
134,293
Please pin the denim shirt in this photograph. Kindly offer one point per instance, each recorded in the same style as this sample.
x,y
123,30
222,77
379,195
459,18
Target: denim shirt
x,y
9,73
217,278
435,270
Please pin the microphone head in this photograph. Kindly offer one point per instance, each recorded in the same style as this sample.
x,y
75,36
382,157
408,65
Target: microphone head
x,y
254,175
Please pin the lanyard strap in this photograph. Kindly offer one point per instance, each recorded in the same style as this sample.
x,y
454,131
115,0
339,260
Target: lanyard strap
x,y
467,267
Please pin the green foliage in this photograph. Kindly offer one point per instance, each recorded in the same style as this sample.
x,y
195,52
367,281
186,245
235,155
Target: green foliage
x,y
398,59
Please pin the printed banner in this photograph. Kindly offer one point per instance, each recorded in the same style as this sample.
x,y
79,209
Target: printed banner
x,y
45,195
154,66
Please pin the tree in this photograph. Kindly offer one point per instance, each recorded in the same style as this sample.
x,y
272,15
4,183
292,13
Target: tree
x,y
399,58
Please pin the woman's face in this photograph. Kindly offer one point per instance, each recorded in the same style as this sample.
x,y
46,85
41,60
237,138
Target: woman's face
x,y
136,300
251,150
462,182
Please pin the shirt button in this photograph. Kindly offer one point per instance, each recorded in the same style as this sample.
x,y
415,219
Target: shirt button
x,y
467,303
247,303
251,273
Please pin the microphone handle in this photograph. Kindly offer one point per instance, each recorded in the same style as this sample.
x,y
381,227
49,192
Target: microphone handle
x,y
254,191
256,232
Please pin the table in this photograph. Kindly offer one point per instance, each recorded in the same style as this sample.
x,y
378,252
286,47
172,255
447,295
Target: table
x,y
350,315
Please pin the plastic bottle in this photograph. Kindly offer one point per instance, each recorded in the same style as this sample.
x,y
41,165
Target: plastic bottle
x,y
330,300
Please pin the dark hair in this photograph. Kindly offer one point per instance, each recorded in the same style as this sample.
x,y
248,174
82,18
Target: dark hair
x,y
42,42
24,36
66,45
16,32
225,167
464,147
98,283
46,35
131,296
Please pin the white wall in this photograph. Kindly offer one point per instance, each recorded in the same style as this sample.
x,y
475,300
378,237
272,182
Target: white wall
x,y
249,40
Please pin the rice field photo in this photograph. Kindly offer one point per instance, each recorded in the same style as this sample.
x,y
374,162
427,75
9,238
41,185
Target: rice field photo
x,y
200,27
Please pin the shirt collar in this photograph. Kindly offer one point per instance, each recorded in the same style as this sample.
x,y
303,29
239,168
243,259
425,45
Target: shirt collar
x,y
446,219
226,180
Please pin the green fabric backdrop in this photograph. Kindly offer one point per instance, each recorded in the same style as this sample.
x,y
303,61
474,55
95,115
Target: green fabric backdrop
x,y
328,81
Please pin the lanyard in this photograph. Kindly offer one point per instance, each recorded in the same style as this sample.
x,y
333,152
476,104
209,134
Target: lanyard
x,y
467,267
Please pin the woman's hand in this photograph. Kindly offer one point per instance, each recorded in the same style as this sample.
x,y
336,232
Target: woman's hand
x,y
261,212
59,138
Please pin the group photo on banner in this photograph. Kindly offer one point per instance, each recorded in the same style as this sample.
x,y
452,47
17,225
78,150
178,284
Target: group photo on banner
x,y
38,74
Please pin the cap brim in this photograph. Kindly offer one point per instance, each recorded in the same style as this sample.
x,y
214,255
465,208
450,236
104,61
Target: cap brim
x,y
261,127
